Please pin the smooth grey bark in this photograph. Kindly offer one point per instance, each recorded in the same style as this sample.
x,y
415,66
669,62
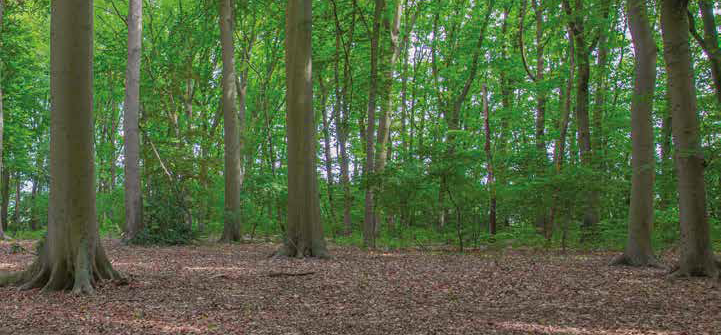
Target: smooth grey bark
x,y
5,197
639,251
697,258
391,58
71,256
133,194
369,218
304,233
2,117
232,172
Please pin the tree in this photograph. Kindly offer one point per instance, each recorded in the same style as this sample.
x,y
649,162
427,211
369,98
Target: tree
x,y
231,228
71,256
133,194
584,46
2,13
638,247
369,218
304,234
697,258
709,42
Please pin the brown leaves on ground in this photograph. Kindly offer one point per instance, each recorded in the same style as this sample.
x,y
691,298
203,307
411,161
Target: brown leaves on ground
x,y
237,289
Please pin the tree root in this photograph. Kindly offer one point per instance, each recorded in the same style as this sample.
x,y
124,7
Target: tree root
x,y
642,261
80,275
711,270
307,252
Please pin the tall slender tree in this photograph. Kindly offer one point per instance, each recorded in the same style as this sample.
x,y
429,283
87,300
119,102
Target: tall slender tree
x,y
2,14
133,195
709,41
304,233
231,228
697,258
369,218
71,256
640,223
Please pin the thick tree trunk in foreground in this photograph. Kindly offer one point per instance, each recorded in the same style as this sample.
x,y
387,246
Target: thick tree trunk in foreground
x,y
638,247
71,256
133,194
2,219
304,235
697,258
231,227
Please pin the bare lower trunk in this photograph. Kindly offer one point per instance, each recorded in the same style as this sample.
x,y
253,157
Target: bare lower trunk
x,y
2,128
369,221
5,198
697,257
304,235
133,194
71,256
231,226
489,163
639,251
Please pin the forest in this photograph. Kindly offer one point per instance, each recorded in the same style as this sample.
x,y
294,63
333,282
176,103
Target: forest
x,y
360,166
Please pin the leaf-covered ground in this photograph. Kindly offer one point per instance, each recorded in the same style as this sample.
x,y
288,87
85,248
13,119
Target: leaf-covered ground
x,y
237,289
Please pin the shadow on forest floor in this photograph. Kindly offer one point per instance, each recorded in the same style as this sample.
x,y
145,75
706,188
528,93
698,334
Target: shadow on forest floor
x,y
237,289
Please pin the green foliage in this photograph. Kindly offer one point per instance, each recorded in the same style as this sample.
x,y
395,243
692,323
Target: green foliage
x,y
165,217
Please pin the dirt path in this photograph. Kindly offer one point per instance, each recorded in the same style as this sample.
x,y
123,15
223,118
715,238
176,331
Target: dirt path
x,y
236,289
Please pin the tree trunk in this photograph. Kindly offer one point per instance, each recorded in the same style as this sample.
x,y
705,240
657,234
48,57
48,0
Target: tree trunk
x,y
369,224
709,42
71,256
5,197
33,204
3,218
133,194
559,149
231,226
304,234
341,110
639,251
18,198
388,69
326,144
697,258
583,51
489,163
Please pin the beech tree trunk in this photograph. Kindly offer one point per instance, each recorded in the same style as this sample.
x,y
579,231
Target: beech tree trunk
x,y
5,198
709,42
697,258
640,223
304,234
71,256
231,226
489,163
18,198
369,221
3,218
133,194
583,50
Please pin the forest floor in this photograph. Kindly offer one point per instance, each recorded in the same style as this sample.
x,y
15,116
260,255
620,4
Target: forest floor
x,y
237,289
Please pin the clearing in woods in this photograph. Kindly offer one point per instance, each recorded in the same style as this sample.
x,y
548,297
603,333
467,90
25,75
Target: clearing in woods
x,y
237,289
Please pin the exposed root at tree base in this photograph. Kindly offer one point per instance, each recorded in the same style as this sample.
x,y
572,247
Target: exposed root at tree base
x,y
639,261
309,252
711,270
80,275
